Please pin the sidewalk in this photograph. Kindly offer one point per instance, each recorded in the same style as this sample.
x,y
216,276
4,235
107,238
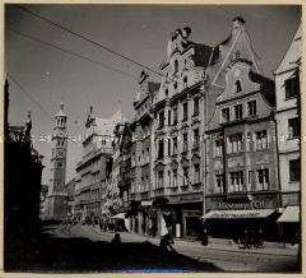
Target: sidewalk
x,y
270,248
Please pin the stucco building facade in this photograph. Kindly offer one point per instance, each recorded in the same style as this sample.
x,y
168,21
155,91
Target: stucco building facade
x,y
287,81
94,168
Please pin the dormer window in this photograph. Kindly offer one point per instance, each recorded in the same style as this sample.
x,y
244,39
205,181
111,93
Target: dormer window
x,y
292,87
225,114
176,65
238,87
166,92
185,80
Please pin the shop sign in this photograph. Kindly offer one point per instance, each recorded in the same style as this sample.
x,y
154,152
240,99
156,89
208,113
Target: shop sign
x,y
146,203
258,202
191,198
251,205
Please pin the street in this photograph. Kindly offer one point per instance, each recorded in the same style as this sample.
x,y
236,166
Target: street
x,y
190,256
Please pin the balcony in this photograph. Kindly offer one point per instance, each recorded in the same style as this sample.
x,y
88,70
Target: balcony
x,y
159,191
185,187
144,195
197,186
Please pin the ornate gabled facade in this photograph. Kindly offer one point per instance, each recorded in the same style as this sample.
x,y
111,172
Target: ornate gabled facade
x,y
178,109
241,168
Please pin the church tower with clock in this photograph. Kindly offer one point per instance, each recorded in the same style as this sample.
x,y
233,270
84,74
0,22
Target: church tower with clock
x,y
56,194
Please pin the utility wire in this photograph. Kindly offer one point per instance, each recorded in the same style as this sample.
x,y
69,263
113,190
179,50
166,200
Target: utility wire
x,y
70,52
83,37
17,83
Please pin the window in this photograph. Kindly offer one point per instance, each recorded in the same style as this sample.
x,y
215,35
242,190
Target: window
x,y
160,179
219,180
248,141
197,178
238,87
169,147
294,128
166,92
185,80
225,113
175,116
174,178
169,117
185,142
236,181
196,139
263,179
294,170
261,140
196,103
185,111
161,119
238,112
161,149
252,108
185,176
292,87
175,85
174,145
176,66
250,178
234,143
218,148
169,178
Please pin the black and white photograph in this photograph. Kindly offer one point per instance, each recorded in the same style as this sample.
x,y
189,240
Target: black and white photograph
x,y
152,138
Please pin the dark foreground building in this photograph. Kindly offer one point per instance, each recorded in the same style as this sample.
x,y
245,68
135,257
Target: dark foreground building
x,y
22,187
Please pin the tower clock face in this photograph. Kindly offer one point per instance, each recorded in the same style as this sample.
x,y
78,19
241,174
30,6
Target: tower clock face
x,y
60,153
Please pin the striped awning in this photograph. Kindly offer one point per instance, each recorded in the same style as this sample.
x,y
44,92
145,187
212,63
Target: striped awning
x,y
290,215
238,214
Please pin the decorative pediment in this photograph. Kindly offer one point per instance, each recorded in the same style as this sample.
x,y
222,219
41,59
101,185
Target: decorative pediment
x,y
159,166
174,164
185,162
238,82
196,159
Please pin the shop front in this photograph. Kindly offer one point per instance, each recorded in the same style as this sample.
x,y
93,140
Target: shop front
x,y
182,215
235,215
289,224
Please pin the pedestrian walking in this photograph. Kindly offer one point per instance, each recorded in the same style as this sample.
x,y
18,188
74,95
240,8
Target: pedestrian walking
x,y
166,243
116,240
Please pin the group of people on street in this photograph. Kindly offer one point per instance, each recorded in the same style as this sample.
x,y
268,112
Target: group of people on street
x,y
250,238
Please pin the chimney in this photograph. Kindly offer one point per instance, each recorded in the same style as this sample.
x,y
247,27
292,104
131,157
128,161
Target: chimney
x,y
238,23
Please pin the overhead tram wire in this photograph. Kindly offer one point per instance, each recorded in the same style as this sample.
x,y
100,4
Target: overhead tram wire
x,y
18,84
70,52
83,37
97,44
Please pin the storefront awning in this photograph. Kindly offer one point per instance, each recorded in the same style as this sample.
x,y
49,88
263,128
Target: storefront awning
x,y
238,214
290,215
119,216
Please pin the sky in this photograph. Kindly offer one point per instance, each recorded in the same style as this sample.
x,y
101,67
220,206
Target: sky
x,y
139,32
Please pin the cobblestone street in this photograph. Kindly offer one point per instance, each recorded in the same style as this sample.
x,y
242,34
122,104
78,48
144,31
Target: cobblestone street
x,y
218,253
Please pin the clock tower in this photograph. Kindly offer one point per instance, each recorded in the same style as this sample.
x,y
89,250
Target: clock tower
x,y
56,194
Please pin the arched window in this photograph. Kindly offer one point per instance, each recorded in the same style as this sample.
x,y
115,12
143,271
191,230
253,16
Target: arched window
x,y
238,87
176,65
185,82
